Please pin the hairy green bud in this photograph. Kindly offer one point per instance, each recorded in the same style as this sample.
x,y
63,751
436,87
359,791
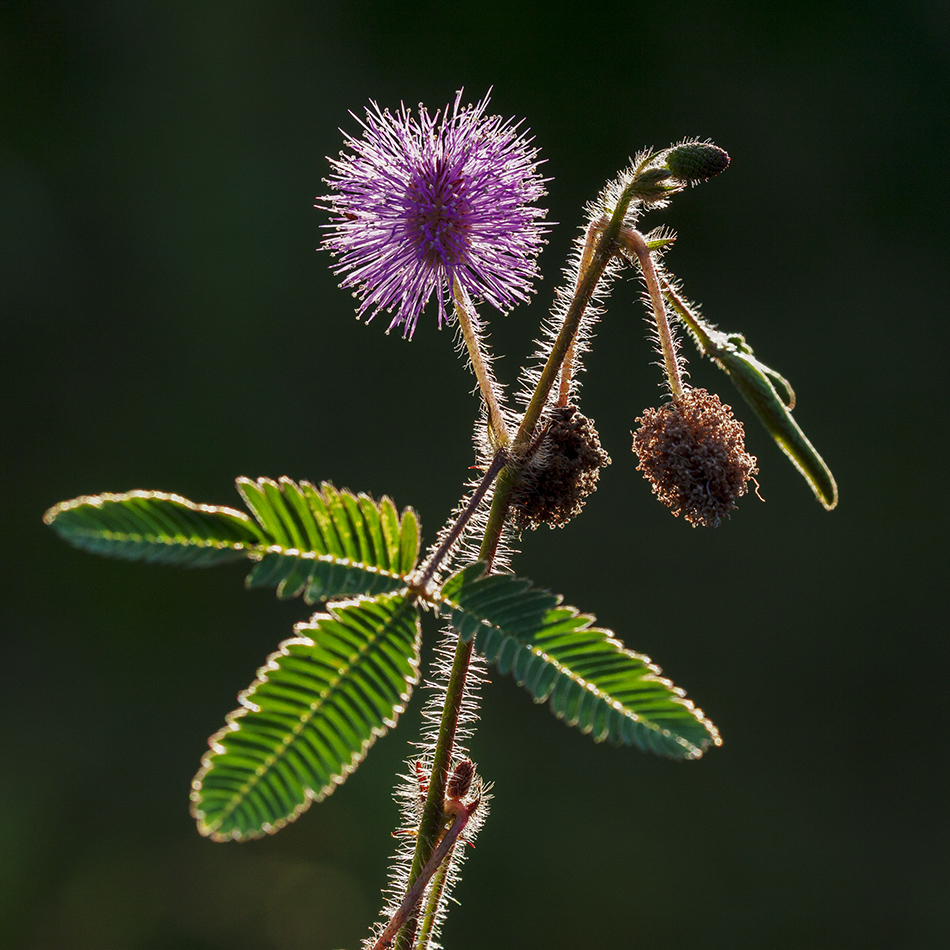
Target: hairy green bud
x,y
697,161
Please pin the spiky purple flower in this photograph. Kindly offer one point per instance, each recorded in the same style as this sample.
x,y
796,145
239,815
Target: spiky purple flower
x,y
424,202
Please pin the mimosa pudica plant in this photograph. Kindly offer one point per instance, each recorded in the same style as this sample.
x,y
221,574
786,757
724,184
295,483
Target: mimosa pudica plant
x,y
444,206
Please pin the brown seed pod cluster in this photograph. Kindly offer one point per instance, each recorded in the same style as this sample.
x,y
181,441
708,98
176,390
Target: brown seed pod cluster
x,y
692,451
563,472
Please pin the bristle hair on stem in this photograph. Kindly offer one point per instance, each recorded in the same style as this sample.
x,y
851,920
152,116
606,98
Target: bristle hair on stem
x,y
653,335
551,324
409,793
464,548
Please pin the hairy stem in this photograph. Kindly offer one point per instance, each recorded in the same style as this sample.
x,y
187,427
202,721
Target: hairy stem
x,y
433,816
430,912
604,249
634,241
567,367
692,320
414,894
480,366
455,532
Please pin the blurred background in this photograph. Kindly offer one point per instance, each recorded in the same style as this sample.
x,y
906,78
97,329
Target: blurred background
x,y
166,323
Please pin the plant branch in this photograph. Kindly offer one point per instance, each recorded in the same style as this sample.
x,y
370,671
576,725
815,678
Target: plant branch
x,y
592,266
428,916
597,258
432,565
567,367
692,320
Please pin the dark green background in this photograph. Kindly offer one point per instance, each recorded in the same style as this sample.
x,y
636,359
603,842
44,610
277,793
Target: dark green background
x,y
167,324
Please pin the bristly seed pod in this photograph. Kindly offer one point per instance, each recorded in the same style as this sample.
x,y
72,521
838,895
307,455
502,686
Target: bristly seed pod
x,y
692,451
696,161
556,482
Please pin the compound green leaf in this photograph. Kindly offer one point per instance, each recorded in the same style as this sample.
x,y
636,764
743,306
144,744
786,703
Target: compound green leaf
x,y
590,678
326,542
315,542
308,719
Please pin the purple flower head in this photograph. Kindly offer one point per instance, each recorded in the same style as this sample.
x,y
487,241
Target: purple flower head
x,y
422,203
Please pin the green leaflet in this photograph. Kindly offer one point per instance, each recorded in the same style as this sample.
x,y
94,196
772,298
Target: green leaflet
x,y
156,527
591,680
307,721
318,542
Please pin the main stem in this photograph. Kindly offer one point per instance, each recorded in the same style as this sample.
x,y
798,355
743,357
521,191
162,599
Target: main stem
x,y
414,893
601,250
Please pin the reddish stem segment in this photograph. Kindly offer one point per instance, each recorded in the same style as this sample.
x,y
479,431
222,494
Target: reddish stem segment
x,y
634,241
415,892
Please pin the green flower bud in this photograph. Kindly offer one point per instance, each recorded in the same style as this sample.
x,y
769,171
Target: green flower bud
x,y
696,161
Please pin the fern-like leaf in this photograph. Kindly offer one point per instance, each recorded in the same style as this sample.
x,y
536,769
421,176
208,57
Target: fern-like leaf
x,y
328,543
318,542
591,679
308,719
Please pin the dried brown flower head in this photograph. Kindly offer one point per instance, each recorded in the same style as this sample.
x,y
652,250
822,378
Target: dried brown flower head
x,y
692,451
562,473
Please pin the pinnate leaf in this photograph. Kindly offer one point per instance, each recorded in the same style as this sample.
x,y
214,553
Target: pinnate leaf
x,y
308,719
328,543
318,542
590,678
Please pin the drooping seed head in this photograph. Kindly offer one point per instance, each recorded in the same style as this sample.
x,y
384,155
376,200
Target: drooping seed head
x,y
692,451
555,484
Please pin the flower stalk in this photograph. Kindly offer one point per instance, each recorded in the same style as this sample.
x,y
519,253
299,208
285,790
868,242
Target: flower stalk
x,y
487,384
633,241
